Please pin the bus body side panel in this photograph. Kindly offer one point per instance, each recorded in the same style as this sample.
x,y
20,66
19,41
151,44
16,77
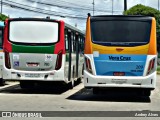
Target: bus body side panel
x,y
1,63
1,48
74,58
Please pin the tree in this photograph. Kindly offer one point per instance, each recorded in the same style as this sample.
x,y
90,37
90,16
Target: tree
x,y
3,17
147,11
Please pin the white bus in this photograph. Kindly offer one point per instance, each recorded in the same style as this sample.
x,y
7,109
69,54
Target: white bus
x,y
42,50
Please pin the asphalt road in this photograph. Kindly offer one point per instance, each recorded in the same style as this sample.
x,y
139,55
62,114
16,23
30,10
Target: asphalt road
x,y
54,98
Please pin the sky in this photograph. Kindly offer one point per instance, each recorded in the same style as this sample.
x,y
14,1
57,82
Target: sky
x,y
73,12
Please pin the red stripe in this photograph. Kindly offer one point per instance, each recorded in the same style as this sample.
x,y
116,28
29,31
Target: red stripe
x,y
61,44
7,45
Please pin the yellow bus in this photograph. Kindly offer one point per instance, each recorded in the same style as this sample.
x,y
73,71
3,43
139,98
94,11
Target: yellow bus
x,y
120,52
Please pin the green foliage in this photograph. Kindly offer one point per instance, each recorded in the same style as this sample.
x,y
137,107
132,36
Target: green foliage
x,y
147,11
3,17
143,10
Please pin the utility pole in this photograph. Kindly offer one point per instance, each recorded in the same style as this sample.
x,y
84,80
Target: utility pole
x,y
1,6
112,7
125,5
93,7
158,5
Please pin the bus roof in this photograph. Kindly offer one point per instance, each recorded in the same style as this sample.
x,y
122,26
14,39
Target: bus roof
x,y
74,28
120,17
66,25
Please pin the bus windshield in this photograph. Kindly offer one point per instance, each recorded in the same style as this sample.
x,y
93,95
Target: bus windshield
x,y
33,32
120,33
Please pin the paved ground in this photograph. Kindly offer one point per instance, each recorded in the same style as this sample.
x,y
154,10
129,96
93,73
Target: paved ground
x,y
13,98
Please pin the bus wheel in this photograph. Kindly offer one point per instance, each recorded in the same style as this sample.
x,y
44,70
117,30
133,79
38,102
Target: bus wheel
x,y
79,80
2,82
71,84
95,90
26,84
145,93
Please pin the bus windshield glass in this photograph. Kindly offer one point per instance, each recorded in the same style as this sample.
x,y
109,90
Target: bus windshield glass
x,y
33,32
120,33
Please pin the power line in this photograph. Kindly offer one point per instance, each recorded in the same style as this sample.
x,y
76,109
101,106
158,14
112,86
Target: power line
x,y
36,7
62,2
42,12
69,7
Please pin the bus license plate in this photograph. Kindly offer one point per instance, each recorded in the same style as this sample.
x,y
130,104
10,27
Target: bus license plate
x,y
32,75
119,81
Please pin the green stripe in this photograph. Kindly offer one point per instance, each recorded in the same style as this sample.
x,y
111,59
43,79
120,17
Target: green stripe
x,y
33,49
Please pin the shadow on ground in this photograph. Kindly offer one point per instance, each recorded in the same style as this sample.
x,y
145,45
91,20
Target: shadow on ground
x,y
1,85
110,95
40,88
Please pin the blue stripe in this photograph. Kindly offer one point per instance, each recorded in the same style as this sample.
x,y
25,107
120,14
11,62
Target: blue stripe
x,y
131,65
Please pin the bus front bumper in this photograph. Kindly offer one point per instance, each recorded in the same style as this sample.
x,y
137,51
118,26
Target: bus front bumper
x,y
91,81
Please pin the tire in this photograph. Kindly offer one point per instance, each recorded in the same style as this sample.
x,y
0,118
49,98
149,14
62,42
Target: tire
x,y
145,93
2,82
26,84
95,91
71,84
79,80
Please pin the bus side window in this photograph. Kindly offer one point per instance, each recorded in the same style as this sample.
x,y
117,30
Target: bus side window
x,y
79,44
82,44
73,43
66,40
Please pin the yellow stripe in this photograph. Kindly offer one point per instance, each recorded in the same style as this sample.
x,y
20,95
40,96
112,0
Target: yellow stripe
x,y
143,49
153,39
126,50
